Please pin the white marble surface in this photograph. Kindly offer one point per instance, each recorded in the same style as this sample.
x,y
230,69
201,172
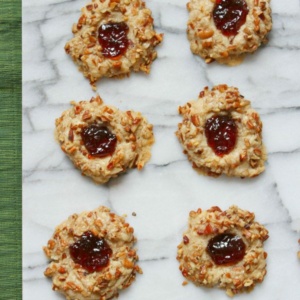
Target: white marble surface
x,y
168,188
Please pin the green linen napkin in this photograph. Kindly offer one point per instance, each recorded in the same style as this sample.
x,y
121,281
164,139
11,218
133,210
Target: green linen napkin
x,y
10,150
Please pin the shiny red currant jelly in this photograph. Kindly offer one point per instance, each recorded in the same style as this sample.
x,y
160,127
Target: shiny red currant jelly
x,y
230,15
91,252
113,39
226,248
221,134
98,140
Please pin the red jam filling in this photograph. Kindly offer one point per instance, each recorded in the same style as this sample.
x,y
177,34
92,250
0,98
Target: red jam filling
x,y
98,140
113,39
221,134
91,252
230,15
226,248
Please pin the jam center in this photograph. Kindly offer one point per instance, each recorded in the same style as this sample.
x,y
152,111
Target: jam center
x,y
221,134
98,140
91,252
113,39
226,248
230,15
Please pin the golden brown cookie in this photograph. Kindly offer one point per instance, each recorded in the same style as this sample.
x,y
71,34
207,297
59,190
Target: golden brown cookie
x,y
103,141
225,30
222,134
113,38
223,249
92,256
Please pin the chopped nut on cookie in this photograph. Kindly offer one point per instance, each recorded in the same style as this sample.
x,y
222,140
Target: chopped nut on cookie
x,y
92,256
225,30
113,38
103,141
223,249
222,134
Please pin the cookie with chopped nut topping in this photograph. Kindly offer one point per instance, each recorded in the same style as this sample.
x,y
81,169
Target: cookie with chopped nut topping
x,y
103,141
226,30
223,249
92,255
113,38
222,134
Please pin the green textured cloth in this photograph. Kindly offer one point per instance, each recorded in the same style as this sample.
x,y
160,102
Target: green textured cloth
x,y
10,150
